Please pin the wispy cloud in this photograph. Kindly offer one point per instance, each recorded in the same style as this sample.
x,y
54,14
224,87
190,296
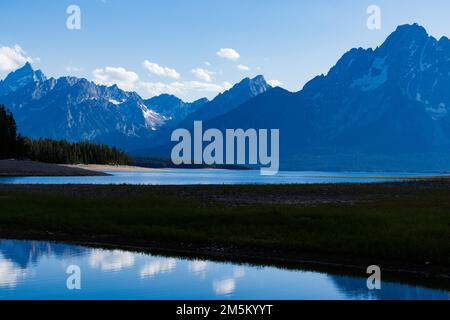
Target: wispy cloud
x,y
73,69
11,58
126,80
161,71
228,53
243,67
183,88
202,74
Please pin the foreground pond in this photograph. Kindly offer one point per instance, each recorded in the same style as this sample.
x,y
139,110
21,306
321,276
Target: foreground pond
x,y
208,176
37,270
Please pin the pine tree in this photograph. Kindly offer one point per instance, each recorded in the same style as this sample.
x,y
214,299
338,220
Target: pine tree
x,y
13,145
9,141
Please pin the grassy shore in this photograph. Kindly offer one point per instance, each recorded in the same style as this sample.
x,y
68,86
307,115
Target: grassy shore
x,y
404,225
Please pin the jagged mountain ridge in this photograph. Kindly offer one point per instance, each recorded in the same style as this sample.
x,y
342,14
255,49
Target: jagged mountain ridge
x,y
224,103
76,109
376,109
173,109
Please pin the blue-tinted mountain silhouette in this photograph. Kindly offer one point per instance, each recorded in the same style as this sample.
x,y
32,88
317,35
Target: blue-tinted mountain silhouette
x,y
76,109
224,103
381,109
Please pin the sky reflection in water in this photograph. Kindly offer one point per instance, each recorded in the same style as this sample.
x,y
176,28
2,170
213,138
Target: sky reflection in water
x,y
36,270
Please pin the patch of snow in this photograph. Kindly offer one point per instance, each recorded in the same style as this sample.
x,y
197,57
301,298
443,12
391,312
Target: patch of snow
x,y
115,102
153,119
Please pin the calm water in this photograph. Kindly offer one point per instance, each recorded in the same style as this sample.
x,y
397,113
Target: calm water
x,y
37,270
204,176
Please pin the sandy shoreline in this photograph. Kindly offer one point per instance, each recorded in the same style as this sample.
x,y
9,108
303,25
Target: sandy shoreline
x,y
111,168
26,168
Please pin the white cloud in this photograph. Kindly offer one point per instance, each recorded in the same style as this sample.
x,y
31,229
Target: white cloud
x,y
207,63
12,58
157,88
228,53
203,74
126,80
275,83
73,69
207,87
243,67
183,88
158,70
187,90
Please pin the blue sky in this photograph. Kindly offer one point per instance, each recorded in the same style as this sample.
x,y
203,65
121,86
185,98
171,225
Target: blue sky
x,y
289,41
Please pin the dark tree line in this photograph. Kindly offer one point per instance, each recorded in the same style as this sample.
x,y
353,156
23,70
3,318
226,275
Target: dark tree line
x,y
9,140
13,145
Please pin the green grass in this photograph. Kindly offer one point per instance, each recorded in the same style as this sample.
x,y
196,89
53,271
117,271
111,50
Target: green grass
x,y
409,227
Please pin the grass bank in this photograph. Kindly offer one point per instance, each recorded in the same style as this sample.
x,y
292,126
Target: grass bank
x,y
405,225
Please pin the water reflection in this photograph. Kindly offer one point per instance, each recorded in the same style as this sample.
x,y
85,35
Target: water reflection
x,y
36,270
198,267
25,253
202,176
10,274
115,260
354,288
158,266
227,286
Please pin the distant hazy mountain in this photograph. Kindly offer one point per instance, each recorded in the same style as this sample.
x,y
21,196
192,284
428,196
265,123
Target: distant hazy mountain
x,y
380,109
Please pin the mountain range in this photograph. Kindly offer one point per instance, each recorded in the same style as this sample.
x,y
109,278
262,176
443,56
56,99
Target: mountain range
x,y
76,109
377,109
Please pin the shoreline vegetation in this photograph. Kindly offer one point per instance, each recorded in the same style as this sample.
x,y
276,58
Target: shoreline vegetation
x,y
402,227
15,146
33,157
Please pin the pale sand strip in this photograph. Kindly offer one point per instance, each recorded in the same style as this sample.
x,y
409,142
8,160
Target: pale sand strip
x,y
112,168
19,168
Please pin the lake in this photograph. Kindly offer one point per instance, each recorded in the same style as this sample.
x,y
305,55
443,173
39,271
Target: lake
x,y
37,270
208,176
